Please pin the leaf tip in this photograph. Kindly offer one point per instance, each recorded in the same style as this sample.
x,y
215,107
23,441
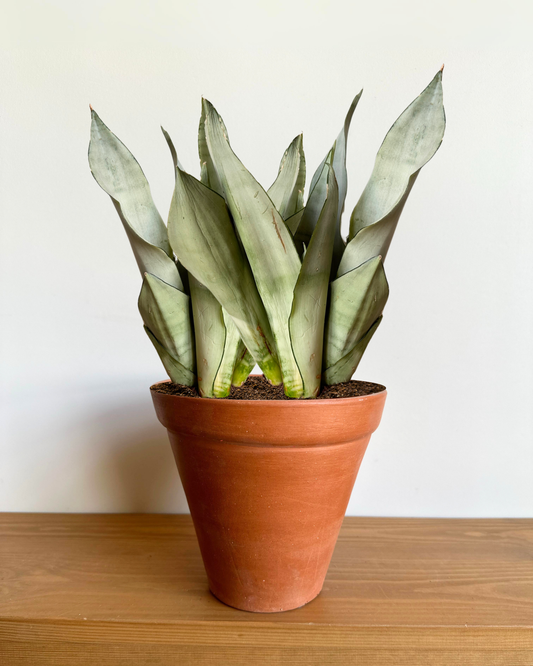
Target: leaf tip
x,y
95,118
297,141
208,109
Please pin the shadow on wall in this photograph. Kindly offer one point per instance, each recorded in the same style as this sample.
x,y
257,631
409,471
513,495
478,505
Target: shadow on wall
x,y
135,471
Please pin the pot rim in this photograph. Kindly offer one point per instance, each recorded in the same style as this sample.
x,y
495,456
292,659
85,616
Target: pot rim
x,y
274,403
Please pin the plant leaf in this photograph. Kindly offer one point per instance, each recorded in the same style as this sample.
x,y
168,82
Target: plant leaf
x,y
357,299
229,338
410,143
293,222
339,165
233,350
243,367
344,368
288,187
201,230
176,371
209,175
317,196
260,227
118,173
151,259
209,333
165,312
311,294
172,149
184,275
375,240
315,203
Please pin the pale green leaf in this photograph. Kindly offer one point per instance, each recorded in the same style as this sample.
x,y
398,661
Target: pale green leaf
x,y
209,334
293,222
175,161
165,312
172,149
287,189
339,165
233,350
204,238
267,241
317,192
375,240
152,259
357,299
176,371
315,203
228,338
311,294
409,145
233,346
243,367
344,368
209,175
118,173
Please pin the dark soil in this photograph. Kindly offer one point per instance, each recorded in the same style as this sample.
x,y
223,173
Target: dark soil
x,y
256,387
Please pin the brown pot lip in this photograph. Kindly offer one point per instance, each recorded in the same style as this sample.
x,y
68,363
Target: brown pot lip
x,y
275,403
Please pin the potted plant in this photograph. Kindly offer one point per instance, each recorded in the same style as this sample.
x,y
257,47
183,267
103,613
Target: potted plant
x,y
243,276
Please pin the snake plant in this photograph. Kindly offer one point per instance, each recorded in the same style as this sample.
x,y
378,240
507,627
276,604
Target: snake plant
x,y
242,275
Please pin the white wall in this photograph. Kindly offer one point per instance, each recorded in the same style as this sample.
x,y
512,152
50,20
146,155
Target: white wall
x,y
455,347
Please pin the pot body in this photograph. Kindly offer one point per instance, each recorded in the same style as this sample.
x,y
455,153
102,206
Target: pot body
x,y
268,483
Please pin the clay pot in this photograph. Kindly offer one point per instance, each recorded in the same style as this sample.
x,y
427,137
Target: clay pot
x,y
268,483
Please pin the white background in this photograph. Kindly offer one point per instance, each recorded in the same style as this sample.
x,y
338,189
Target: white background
x,y
455,347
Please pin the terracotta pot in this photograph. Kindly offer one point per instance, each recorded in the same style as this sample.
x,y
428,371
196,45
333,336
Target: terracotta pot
x,y
268,483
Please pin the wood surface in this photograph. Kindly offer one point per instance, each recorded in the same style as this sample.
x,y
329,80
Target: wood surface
x,y
110,590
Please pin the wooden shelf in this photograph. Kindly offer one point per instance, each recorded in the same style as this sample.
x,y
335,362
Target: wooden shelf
x,y
113,590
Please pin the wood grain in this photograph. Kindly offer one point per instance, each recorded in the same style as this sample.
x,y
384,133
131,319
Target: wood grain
x,y
130,589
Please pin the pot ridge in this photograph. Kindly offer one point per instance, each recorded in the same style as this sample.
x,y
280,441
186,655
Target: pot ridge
x,y
276,422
